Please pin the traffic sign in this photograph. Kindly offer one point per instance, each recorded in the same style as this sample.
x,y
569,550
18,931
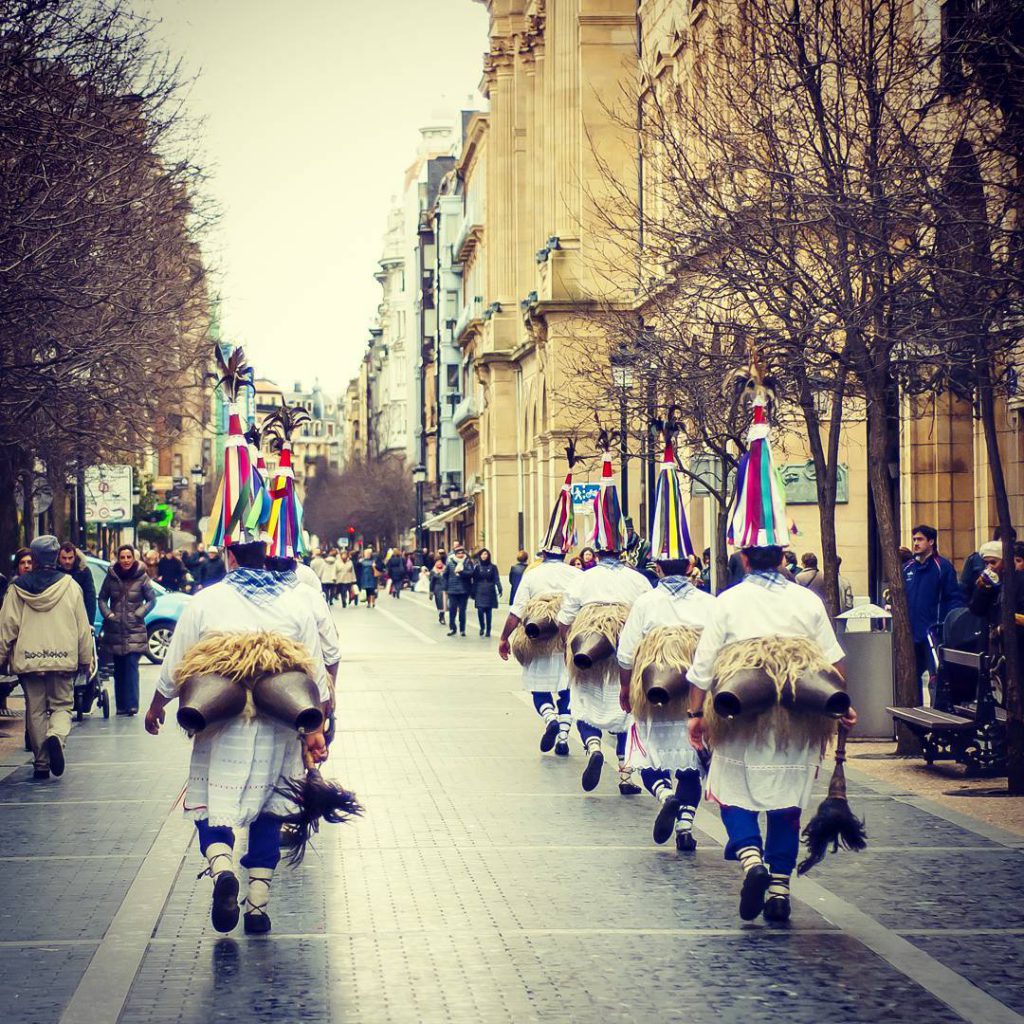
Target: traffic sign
x,y
108,494
583,495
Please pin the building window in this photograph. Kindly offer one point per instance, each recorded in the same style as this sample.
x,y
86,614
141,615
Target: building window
x,y
453,376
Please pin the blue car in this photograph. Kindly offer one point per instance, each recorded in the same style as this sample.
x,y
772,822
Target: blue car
x,y
160,622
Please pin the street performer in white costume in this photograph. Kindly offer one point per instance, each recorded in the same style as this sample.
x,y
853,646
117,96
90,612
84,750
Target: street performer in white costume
x,y
239,648
594,609
766,688
655,650
531,630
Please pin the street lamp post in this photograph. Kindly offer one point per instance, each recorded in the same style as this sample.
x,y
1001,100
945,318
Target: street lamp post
x,y
197,479
419,476
622,378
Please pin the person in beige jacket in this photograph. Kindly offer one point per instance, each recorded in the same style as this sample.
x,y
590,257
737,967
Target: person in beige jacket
x,y
46,638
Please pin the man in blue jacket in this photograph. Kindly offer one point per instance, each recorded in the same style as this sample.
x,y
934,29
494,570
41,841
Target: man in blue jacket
x,y
932,593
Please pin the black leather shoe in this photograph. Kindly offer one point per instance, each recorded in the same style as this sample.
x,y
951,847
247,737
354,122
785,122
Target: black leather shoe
x,y
592,773
451,632
41,773
562,748
224,910
777,909
755,885
256,924
55,751
629,789
665,822
685,843
547,741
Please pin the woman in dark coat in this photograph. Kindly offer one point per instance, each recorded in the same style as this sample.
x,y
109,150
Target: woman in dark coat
x,y
437,586
396,573
486,589
126,598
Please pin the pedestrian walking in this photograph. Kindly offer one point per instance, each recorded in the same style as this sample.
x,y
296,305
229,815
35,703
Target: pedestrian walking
x,y
170,571
151,563
933,591
515,575
810,576
73,562
126,598
46,639
437,587
326,574
23,561
345,579
368,572
486,589
396,570
211,569
458,583
845,590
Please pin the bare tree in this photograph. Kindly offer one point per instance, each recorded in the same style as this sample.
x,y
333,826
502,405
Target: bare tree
x,y
103,306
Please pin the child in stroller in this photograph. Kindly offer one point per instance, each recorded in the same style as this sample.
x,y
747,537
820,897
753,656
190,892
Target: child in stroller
x,y
91,687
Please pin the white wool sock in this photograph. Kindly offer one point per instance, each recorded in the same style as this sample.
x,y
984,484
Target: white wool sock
x,y
221,858
547,712
684,820
564,724
779,885
662,790
749,857
593,743
259,890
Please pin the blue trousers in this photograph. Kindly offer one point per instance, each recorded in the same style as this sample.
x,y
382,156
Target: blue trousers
x,y
782,838
689,783
586,731
541,699
126,681
264,840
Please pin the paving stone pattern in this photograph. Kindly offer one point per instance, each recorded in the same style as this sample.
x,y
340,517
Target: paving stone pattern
x,y
483,885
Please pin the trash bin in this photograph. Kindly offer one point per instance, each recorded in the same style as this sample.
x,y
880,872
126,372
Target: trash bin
x,y
865,633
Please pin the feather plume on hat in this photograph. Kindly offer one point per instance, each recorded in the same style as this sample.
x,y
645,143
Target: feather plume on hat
x,y
233,502
609,529
284,525
757,517
670,532
561,531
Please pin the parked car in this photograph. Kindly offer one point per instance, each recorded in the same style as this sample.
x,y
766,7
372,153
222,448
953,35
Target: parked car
x,y
160,622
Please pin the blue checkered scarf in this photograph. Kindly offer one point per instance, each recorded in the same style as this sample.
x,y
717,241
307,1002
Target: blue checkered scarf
x,y
261,586
770,579
610,562
675,585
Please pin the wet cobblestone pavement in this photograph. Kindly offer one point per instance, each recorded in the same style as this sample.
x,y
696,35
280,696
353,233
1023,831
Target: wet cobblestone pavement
x,y
482,885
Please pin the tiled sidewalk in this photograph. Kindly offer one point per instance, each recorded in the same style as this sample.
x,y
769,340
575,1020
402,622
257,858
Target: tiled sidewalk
x,y
483,885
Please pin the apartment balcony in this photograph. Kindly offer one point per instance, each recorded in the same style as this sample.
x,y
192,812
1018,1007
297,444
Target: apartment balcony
x,y
470,311
466,412
470,233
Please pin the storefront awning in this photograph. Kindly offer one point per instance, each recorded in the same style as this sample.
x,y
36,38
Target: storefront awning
x,y
436,523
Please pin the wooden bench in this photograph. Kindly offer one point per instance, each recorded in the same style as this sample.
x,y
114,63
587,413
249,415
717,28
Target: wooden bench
x,y
973,734
943,736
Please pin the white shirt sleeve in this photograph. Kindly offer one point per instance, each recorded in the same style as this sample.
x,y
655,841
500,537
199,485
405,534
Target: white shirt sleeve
x,y
328,632
825,636
310,638
631,635
712,639
571,605
186,633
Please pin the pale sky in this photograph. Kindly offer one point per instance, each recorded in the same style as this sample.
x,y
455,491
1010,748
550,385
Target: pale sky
x,y
311,112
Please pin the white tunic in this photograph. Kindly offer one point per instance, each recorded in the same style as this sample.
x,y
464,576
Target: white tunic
x,y
653,743
761,776
544,675
608,582
235,765
328,631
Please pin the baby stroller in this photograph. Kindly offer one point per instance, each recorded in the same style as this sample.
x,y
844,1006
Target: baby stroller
x,y
91,688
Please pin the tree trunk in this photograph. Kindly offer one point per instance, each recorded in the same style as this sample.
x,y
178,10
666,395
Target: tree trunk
x,y
721,530
8,506
28,519
56,473
1008,601
885,516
